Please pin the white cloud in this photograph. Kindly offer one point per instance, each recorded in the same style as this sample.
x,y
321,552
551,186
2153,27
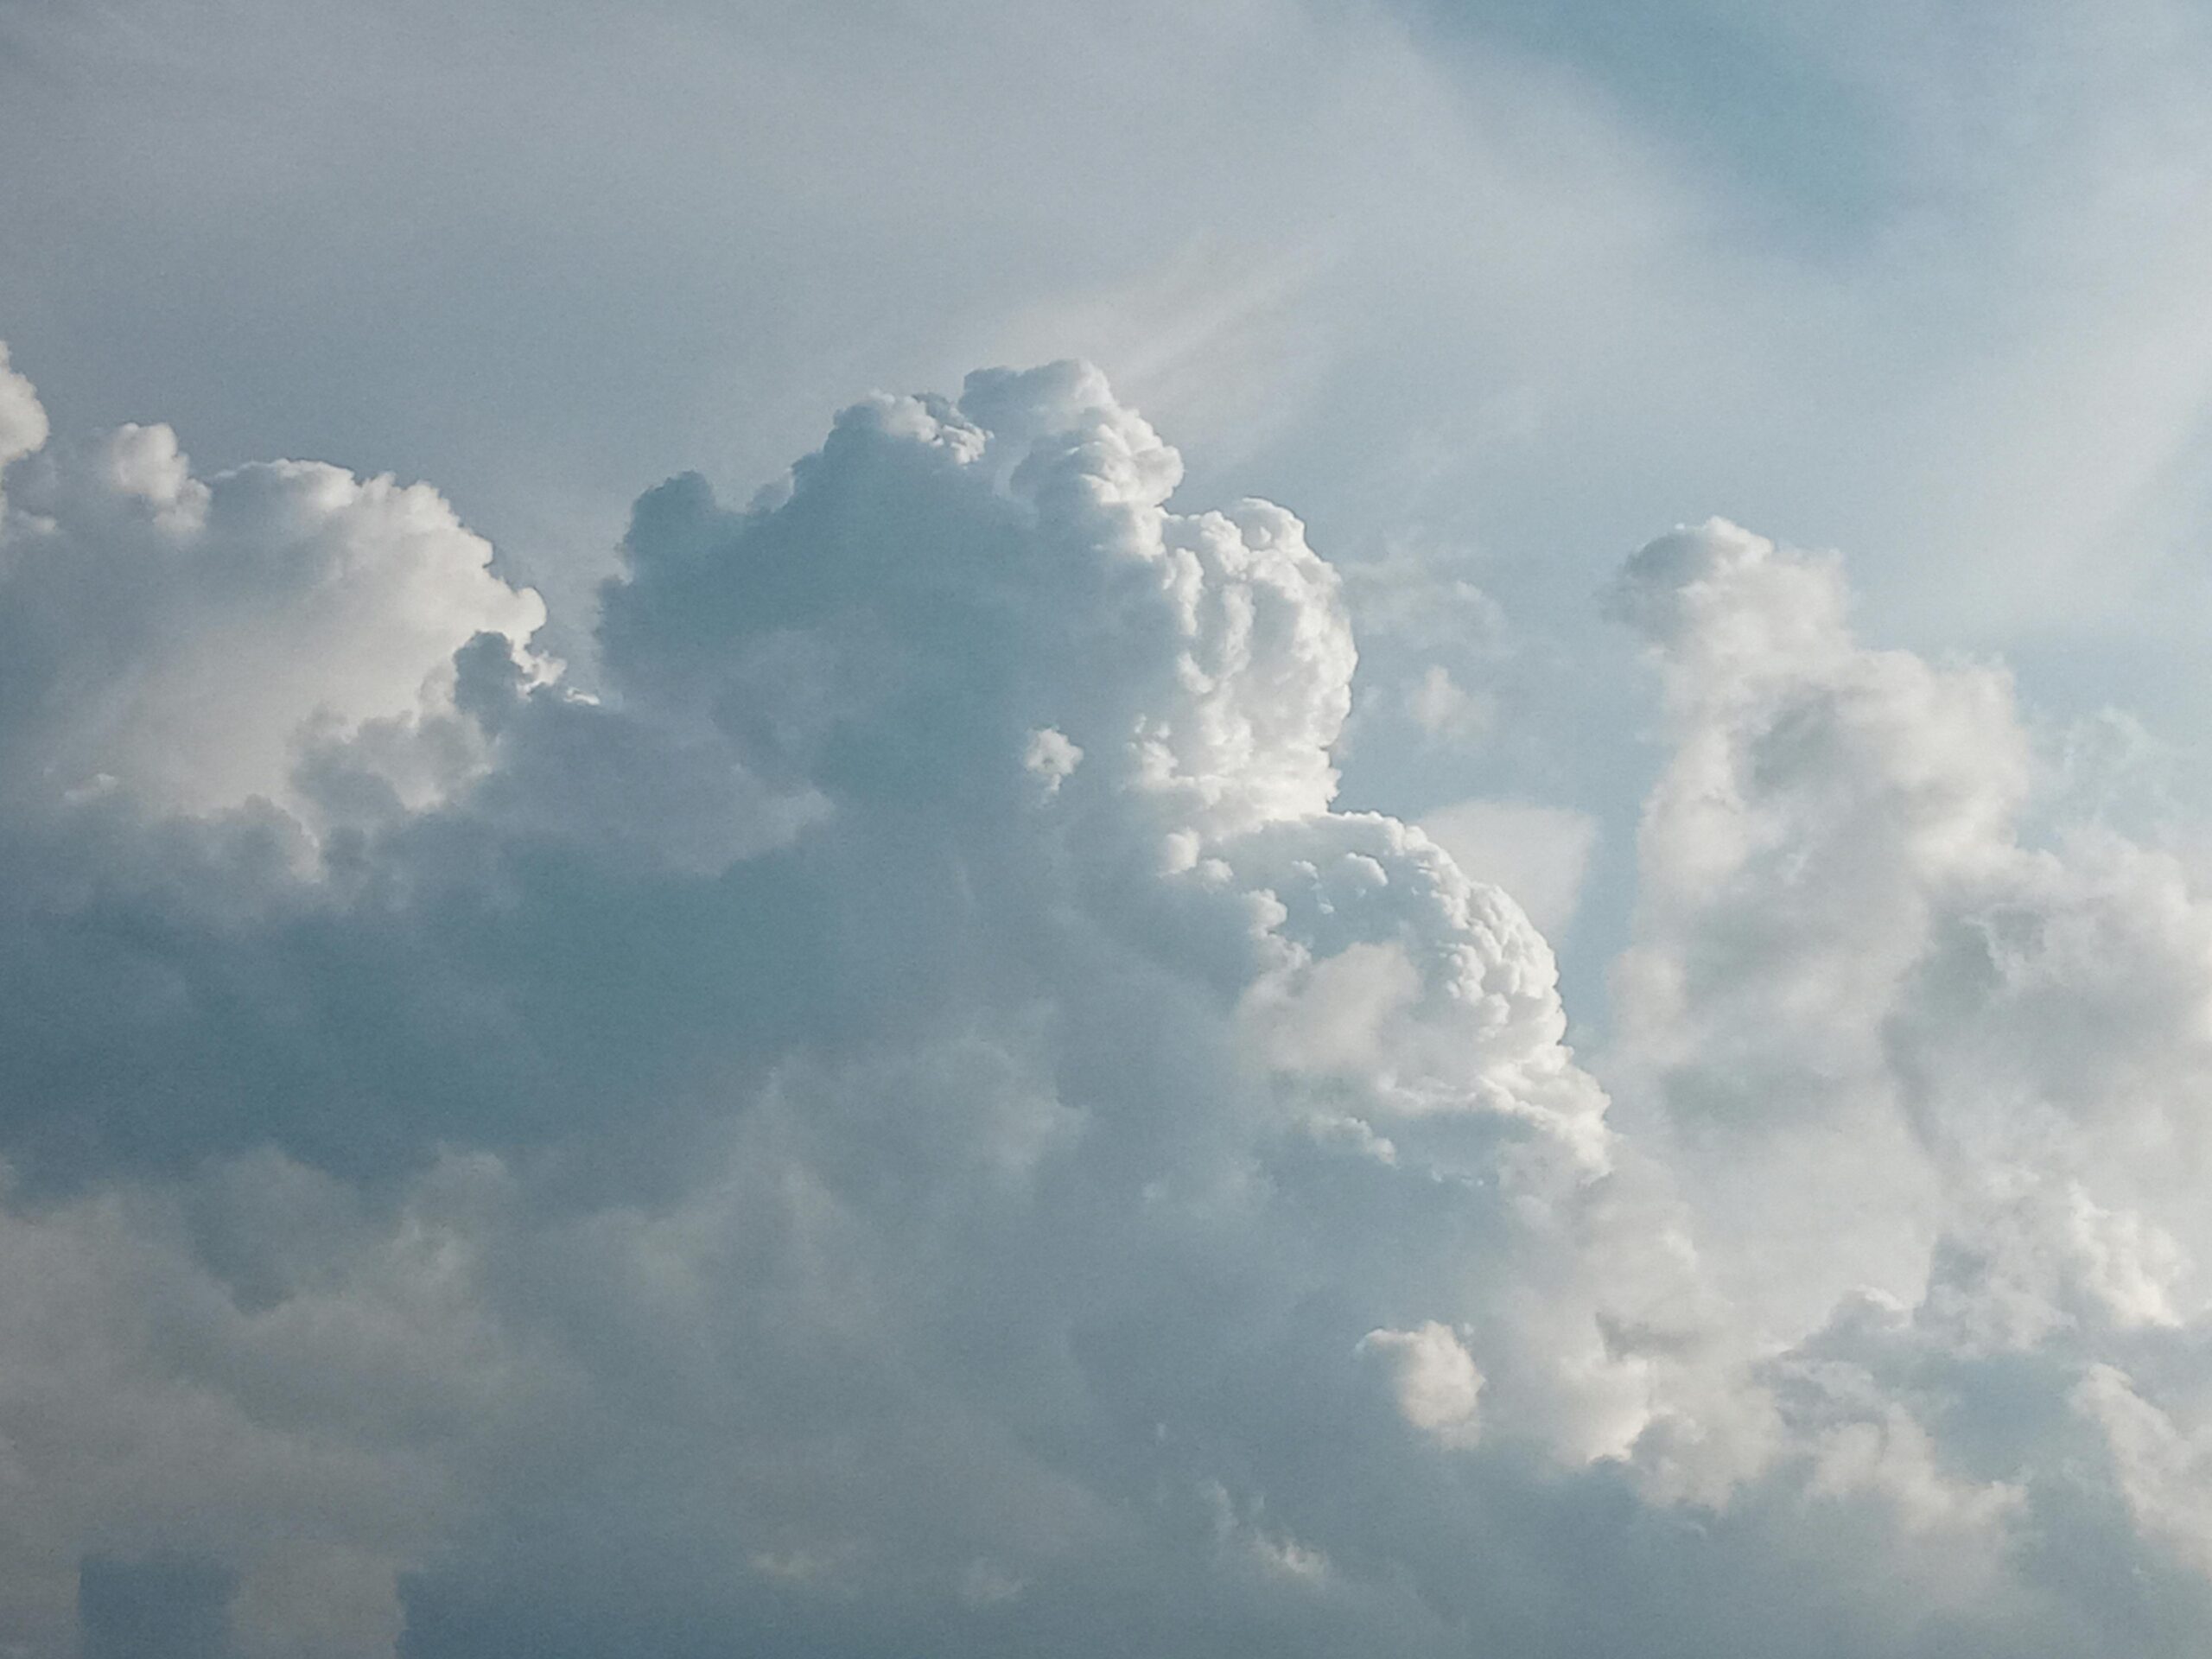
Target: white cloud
x,y
1437,1386
23,421
913,1115
2159,1465
181,637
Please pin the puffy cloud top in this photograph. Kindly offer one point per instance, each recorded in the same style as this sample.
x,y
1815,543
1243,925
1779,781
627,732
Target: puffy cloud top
x,y
940,577
178,637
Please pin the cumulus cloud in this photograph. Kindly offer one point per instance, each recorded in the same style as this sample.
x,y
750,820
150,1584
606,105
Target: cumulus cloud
x,y
1435,1380
1847,954
1538,854
1931,1088
909,1117
23,421
176,637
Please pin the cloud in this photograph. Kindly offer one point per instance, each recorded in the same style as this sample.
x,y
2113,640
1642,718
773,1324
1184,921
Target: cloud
x,y
175,637
1846,953
1538,854
908,1117
1930,1087
1437,1385
23,421
947,1040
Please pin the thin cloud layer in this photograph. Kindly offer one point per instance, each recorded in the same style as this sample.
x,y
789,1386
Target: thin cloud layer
x,y
908,1119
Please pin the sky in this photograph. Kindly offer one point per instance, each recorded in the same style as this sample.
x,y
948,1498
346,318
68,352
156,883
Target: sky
x,y
1275,827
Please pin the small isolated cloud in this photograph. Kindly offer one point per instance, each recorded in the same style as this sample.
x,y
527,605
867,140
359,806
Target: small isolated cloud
x,y
1432,1377
1051,758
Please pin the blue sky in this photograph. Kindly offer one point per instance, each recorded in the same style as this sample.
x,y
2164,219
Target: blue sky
x,y
689,971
